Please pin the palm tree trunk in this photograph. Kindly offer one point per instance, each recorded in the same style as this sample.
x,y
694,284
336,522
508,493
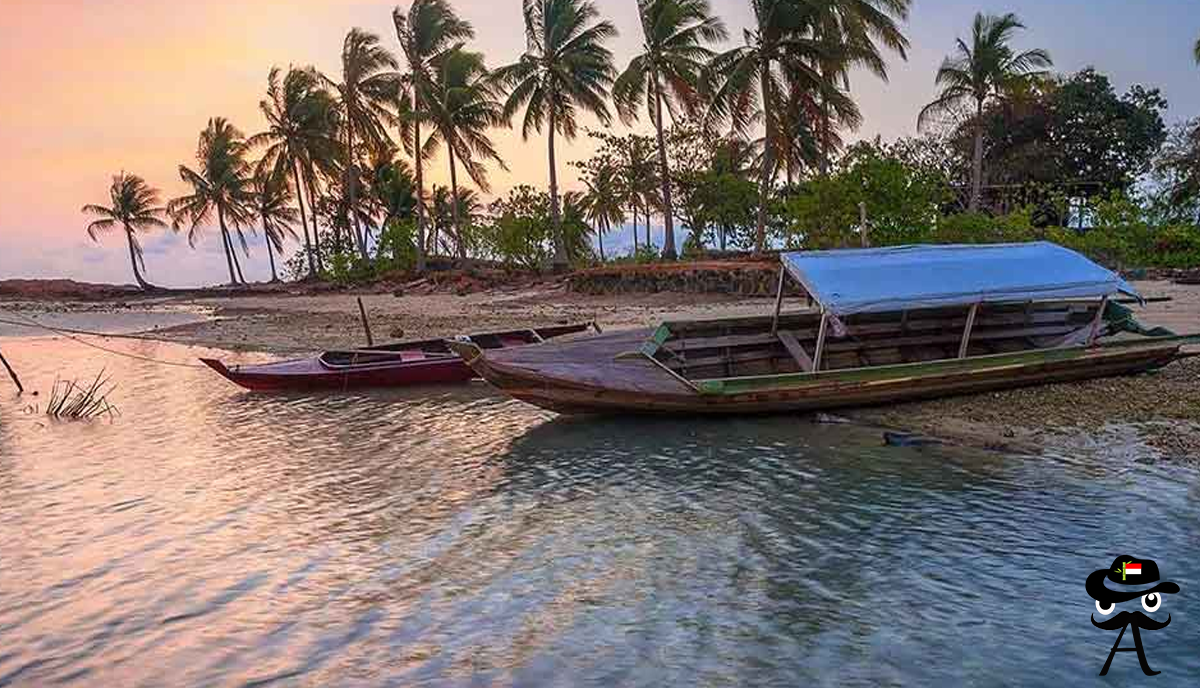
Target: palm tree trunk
x,y
352,191
768,162
308,249
228,245
649,236
137,275
418,163
635,228
270,252
668,210
316,229
560,250
237,263
600,238
977,160
458,236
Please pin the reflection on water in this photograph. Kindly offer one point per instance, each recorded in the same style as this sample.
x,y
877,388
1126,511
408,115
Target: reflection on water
x,y
212,537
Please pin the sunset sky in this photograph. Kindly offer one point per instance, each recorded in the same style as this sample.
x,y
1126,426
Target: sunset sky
x,y
91,87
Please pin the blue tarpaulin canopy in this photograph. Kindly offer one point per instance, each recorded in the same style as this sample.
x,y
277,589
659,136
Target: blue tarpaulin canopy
x,y
907,277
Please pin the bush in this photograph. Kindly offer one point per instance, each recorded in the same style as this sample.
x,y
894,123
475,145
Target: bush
x,y
981,228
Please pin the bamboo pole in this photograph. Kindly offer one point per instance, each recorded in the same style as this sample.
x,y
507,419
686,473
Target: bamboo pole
x,y
1097,322
966,338
366,325
821,332
778,302
13,374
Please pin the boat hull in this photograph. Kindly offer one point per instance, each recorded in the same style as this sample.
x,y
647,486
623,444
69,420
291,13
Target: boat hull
x,y
309,374
405,364
823,391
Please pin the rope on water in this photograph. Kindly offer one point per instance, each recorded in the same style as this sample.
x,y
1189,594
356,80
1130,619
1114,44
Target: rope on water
x,y
71,335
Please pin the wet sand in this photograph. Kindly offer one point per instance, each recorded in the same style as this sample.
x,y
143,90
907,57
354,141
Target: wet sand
x,y
1157,414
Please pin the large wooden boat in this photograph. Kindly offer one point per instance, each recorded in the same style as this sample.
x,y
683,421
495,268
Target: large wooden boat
x,y
391,365
939,331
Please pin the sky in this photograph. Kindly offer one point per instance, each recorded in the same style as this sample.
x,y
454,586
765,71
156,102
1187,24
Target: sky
x,y
89,88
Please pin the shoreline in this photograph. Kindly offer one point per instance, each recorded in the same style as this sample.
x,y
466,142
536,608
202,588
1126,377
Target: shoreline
x,y
1159,412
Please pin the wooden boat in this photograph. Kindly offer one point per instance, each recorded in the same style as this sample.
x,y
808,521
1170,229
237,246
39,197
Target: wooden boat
x,y
392,365
920,342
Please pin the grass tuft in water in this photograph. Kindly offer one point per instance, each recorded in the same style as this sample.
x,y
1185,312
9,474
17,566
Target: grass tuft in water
x,y
70,400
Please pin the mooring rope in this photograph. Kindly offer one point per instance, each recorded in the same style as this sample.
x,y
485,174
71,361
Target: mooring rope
x,y
70,334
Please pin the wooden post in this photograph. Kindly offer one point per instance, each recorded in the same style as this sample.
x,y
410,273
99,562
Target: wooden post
x,y
13,374
862,219
366,325
820,352
778,302
966,338
1097,322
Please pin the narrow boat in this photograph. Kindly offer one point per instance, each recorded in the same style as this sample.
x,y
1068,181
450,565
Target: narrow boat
x,y
391,365
891,324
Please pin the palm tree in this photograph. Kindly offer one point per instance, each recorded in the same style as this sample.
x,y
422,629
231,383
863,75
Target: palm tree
x,y
221,184
565,68
852,31
779,53
270,201
135,207
666,75
429,29
300,134
462,109
602,202
367,101
979,72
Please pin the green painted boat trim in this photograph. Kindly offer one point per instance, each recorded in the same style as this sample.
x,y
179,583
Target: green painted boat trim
x,y
900,371
652,345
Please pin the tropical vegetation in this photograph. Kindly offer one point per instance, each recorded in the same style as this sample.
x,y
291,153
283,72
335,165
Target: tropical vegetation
x,y
734,147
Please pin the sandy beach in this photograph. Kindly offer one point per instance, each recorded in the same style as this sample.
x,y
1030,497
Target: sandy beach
x,y
1159,412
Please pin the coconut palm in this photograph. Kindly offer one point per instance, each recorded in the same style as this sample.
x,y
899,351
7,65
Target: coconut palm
x,y
462,108
271,202
602,202
367,101
429,29
747,83
221,184
666,75
854,32
565,68
301,134
985,69
135,207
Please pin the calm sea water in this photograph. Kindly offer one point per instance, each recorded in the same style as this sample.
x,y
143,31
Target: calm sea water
x,y
209,537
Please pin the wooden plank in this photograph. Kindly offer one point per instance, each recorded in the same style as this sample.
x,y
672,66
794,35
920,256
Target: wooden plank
x,y
797,351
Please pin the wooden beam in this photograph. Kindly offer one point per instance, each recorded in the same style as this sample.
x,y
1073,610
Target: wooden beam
x,y
966,337
778,301
793,346
824,330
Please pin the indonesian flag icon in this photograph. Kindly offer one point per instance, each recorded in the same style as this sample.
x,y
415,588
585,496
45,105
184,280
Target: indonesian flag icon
x,y
1129,568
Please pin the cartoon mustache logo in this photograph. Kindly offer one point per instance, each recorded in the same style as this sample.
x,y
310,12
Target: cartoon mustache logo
x,y
1135,619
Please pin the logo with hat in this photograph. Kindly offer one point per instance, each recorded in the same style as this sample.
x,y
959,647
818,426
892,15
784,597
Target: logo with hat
x,y
1129,578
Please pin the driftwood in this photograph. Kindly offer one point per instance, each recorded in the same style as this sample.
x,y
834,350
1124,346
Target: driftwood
x,y
13,374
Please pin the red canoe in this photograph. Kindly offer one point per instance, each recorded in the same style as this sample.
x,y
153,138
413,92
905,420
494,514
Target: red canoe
x,y
390,365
